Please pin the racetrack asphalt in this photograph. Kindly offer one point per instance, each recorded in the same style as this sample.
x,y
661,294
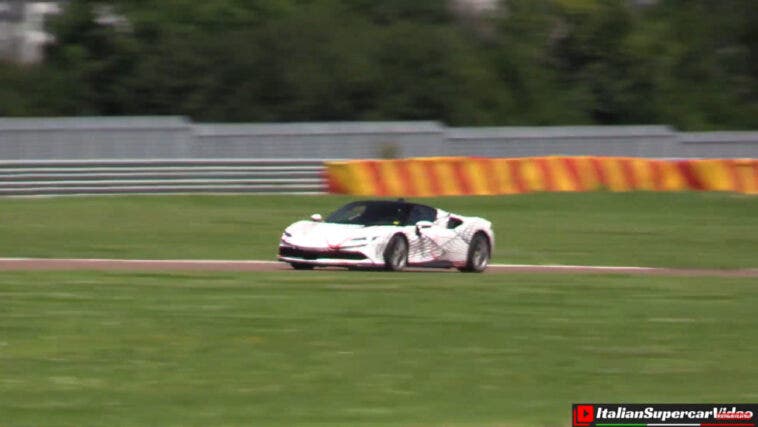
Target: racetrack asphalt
x,y
48,264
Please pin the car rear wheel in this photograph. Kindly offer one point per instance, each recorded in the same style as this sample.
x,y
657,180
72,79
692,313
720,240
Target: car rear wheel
x,y
301,266
478,254
396,254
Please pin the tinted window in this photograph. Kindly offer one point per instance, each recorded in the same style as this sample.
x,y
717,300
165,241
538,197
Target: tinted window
x,y
422,213
372,213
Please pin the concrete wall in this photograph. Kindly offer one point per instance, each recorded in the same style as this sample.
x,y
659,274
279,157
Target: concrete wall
x,y
633,141
709,144
177,138
95,138
319,140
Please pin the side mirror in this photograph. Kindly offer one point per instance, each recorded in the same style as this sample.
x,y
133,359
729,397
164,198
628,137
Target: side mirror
x,y
316,218
421,225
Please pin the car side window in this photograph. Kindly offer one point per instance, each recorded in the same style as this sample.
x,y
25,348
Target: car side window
x,y
453,223
422,213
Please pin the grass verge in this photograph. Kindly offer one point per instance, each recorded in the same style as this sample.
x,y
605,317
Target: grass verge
x,y
349,348
707,230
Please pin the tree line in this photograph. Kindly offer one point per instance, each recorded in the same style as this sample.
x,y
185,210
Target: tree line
x,y
689,63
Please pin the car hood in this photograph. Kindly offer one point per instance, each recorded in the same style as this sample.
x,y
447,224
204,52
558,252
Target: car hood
x,y
329,235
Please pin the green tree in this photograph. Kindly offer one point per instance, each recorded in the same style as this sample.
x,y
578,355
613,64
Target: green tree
x,y
691,63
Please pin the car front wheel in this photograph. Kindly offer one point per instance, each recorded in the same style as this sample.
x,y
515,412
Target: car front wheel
x,y
478,254
396,254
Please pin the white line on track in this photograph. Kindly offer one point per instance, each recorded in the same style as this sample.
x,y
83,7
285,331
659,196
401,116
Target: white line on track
x,y
147,261
265,265
264,262
573,267
229,261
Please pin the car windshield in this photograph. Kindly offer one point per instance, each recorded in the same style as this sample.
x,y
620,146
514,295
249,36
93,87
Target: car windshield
x,y
372,213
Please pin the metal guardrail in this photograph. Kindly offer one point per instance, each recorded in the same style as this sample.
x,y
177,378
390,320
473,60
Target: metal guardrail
x,y
87,177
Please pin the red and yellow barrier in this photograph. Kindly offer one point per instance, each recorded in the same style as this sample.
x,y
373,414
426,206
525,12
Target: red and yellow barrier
x,y
448,176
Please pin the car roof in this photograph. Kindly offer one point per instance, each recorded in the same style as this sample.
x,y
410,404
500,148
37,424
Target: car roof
x,y
398,202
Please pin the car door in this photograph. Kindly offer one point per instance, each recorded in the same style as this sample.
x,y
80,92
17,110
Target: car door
x,y
431,241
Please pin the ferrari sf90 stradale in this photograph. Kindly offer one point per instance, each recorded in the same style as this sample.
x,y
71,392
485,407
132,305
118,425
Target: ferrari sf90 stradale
x,y
391,235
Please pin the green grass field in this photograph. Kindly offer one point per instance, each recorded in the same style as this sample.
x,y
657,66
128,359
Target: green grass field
x,y
643,229
339,348
350,348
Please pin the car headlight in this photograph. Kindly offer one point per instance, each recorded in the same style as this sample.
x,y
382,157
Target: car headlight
x,y
358,242
354,243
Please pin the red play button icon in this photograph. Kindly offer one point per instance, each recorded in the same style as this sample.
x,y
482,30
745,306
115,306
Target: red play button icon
x,y
583,415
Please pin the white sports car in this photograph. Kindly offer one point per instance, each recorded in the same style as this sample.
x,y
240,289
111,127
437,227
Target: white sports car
x,y
389,235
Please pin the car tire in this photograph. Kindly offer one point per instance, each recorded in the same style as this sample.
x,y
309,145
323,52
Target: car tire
x,y
478,254
301,266
396,254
